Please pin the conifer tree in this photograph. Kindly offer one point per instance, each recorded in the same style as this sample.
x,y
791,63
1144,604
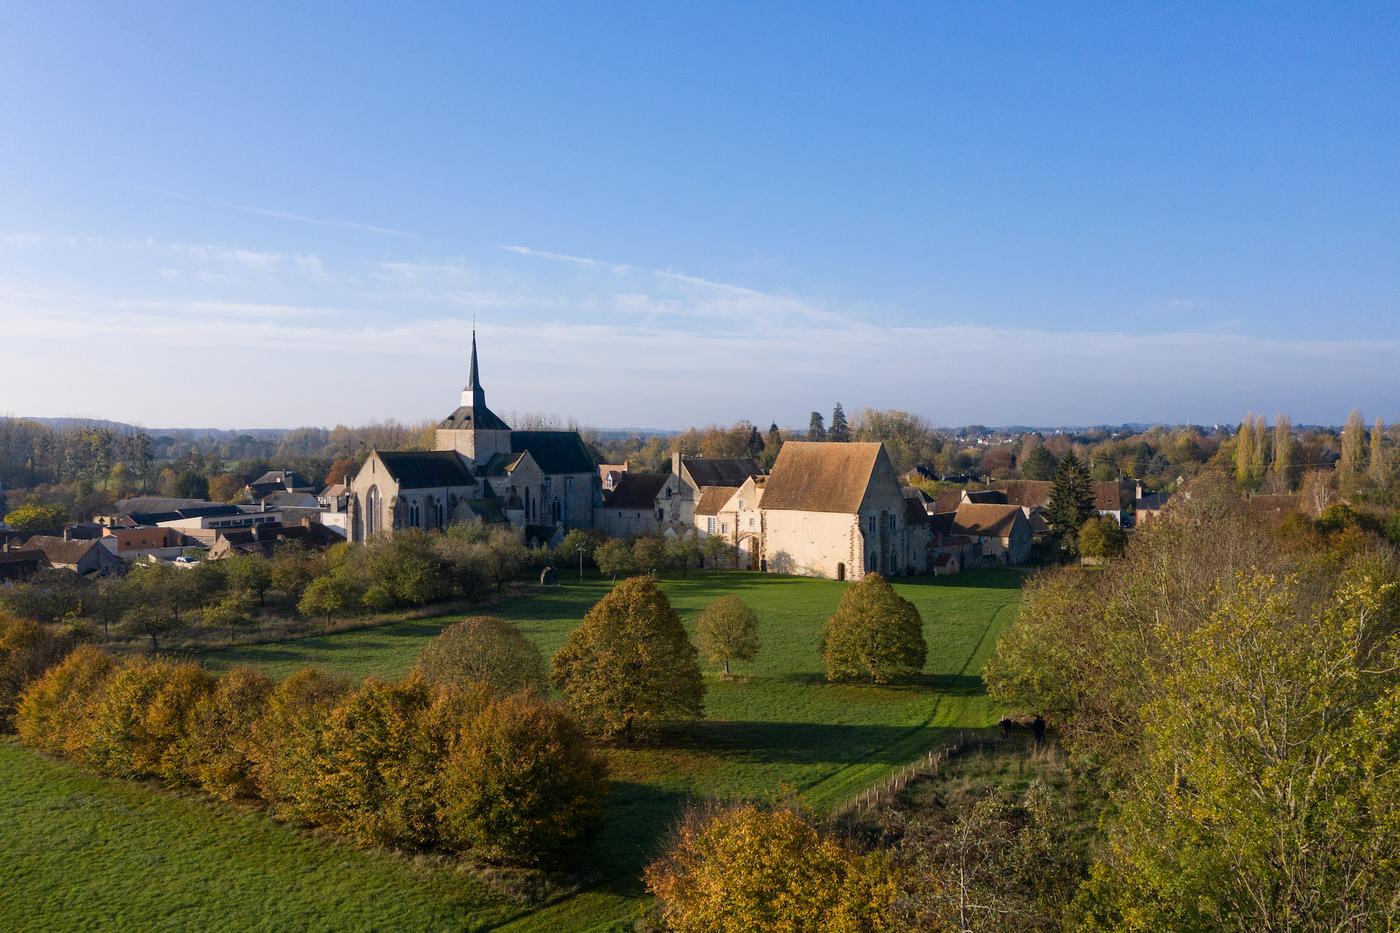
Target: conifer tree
x,y
1071,501
816,428
754,445
840,431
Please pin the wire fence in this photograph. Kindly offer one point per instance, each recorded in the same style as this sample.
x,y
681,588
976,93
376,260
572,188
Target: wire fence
x,y
929,764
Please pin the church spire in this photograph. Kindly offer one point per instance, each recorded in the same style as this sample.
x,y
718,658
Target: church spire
x,y
473,395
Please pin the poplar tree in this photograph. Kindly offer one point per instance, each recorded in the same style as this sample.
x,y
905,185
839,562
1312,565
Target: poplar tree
x,y
1283,453
840,430
1353,443
1259,451
1244,454
1378,464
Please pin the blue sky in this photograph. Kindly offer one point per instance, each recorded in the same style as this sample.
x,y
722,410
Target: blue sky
x,y
664,214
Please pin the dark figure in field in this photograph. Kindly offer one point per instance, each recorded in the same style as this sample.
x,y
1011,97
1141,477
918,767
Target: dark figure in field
x,y
1005,728
1039,726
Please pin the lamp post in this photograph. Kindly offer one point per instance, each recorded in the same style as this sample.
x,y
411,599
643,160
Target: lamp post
x,y
580,550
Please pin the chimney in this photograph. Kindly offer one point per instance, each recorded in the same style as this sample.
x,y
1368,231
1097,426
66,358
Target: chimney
x,y
67,532
676,463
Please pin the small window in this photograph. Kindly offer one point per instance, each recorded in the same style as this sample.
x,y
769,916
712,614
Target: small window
x,y
724,529
891,523
870,523
741,505
709,526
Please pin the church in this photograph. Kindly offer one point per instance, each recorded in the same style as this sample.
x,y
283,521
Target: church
x,y
544,482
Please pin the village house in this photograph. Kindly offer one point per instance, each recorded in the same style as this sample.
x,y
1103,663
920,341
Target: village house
x,y
697,476
83,557
540,481
279,483
1001,532
135,543
737,516
837,510
636,505
264,540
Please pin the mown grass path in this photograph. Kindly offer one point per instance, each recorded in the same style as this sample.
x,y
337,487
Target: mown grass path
x,y
778,729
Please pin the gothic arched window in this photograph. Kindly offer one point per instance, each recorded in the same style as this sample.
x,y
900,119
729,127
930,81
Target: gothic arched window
x,y
373,521
415,514
439,514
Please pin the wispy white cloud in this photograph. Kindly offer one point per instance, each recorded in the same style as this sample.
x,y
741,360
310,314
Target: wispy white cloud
x,y
280,214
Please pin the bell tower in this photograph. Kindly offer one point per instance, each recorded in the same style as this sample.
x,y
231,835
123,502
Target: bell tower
x,y
473,430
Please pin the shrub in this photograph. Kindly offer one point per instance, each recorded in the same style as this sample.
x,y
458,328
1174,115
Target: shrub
x,y
27,649
378,764
629,666
218,751
728,631
521,784
743,867
875,635
483,649
1102,538
286,742
53,712
141,719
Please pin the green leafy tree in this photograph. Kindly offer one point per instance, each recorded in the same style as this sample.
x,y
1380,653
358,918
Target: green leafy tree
x,y
648,554
249,573
718,551
684,552
1071,500
840,430
875,634
728,631
1268,795
629,666
337,593
1102,538
485,650
232,613
32,516
615,556
142,718
521,785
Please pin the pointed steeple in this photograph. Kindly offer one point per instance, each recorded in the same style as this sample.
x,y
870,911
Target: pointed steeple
x,y
473,395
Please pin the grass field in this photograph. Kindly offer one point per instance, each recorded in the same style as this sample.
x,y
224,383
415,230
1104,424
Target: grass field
x,y
779,728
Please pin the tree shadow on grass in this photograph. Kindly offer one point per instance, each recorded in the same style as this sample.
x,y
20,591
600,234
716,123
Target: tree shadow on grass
x,y
996,578
637,821
799,743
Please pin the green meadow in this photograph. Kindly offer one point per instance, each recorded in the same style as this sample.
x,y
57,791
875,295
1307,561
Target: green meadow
x,y
778,728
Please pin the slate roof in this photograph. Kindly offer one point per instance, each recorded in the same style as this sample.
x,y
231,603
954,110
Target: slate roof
x,y
149,504
713,472
555,451
636,491
993,496
426,469
914,511
499,464
986,519
813,476
198,511
1153,501
287,479
466,418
